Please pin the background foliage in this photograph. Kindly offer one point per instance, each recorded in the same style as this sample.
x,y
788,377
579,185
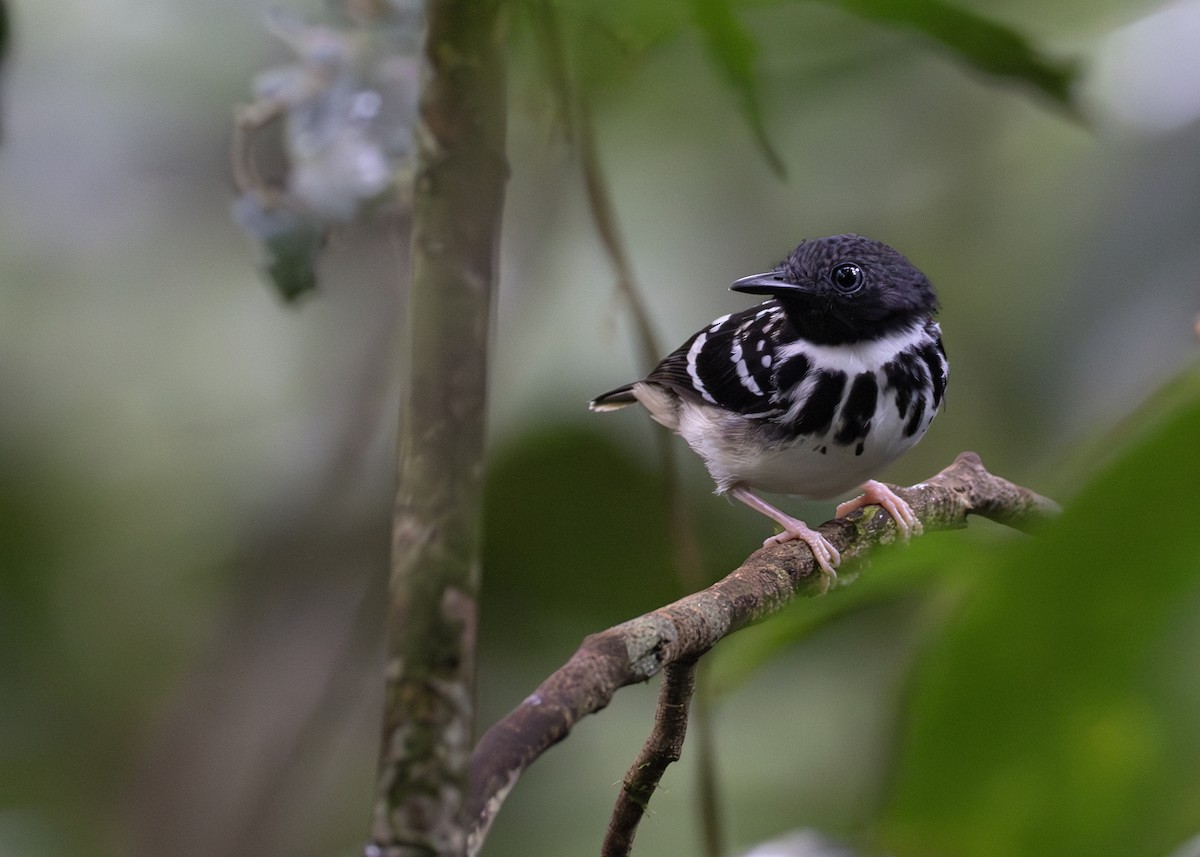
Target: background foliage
x,y
195,480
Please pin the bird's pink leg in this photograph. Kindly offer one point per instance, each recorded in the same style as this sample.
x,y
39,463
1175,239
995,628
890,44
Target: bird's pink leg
x,y
824,552
878,494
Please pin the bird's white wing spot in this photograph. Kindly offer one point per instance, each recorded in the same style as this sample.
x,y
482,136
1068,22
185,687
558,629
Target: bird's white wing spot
x,y
716,323
743,371
692,356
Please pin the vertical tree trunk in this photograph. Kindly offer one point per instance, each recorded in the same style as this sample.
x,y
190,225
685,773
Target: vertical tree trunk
x,y
458,197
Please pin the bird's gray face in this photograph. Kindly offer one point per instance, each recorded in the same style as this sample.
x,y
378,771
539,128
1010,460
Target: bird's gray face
x,y
845,288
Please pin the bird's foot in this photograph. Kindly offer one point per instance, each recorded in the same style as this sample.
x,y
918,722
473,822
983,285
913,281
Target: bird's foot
x,y
827,556
878,494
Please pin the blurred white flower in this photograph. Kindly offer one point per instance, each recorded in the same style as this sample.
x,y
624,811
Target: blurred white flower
x,y
348,105
800,843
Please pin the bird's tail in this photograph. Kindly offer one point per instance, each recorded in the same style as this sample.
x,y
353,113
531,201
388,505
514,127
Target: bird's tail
x,y
613,399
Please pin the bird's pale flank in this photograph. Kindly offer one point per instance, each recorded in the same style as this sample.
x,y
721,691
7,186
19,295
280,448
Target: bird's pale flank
x,y
813,391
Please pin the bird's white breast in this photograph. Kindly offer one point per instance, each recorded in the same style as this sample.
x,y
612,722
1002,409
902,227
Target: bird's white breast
x,y
812,466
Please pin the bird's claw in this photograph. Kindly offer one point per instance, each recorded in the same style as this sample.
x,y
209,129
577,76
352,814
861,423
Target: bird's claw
x,y
824,553
827,557
878,494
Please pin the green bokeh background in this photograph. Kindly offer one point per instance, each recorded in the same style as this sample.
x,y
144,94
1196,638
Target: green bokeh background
x,y
195,479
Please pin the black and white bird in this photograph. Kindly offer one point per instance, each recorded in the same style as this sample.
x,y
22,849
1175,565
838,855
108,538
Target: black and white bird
x,y
813,391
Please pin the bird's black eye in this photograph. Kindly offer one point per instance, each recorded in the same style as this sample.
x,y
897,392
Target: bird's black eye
x,y
847,278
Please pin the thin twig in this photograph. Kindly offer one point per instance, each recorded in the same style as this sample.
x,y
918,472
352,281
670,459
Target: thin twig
x,y
606,226
661,749
685,546
770,578
712,829
682,539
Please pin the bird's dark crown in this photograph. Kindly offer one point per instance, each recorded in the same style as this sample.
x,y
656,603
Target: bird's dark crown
x,y
846,288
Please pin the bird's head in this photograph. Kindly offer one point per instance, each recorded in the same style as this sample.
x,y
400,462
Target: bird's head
x,y
845,288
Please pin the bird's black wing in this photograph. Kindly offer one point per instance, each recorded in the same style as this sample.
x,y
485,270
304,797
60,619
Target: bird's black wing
x,y
728,363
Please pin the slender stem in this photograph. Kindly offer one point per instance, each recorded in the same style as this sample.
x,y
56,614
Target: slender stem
x,y
707,782
682,540
605,220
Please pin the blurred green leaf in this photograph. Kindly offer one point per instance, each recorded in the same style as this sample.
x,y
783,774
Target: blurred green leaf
x,y
291,262
1136,428
288,244
734,51
606,41
1055,716
919,572
576,535
573,532
981,42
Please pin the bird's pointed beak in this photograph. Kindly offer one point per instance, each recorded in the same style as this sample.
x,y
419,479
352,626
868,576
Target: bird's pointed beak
x,y
770,283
